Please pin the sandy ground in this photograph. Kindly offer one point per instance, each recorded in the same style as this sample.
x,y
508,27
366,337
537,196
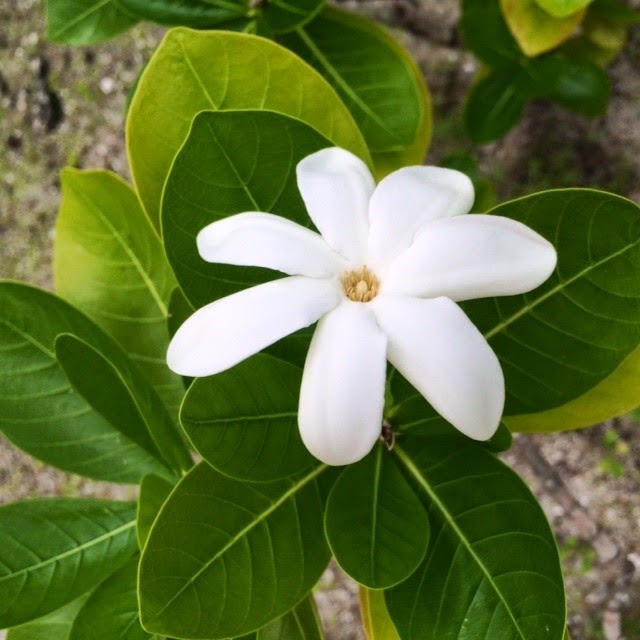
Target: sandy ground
x,y
61,106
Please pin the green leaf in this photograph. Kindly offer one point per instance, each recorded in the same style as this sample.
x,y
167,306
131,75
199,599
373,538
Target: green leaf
x,y
112,609
376,526
375,617
494,106
154,491
199,14
54,626
614,12
39,410
224,557
301,623
378,81
278,16
110,263
179,310
82,22
492,569
562,339
52,551
244,421
562,8
534,29
480,18
253,155
216,70
583,87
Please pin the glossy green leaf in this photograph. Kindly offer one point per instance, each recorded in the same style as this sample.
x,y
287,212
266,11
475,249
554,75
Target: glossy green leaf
x,y
375,616
110,263
376,526
154,491
40,412
377,79
179,310
279,16
583,87
199,14
244,421
301,623
222,71
562,339
112,609
225,557
54,626
253,156
492,569
562,8
82,22
52,551
534,29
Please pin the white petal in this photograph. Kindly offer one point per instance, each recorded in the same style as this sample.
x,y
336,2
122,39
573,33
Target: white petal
x,y
342,393
469,257
440,352
265,240
231,329
336,186
409,198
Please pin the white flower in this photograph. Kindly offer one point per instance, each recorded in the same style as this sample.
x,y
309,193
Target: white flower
x,y
382,278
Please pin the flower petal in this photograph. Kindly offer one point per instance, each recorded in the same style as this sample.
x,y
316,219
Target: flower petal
x,y
440,352
407,199
469,257
336,186
231,329
265,240
342,393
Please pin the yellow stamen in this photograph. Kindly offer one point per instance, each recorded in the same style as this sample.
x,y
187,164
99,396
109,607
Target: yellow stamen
x,y
360,285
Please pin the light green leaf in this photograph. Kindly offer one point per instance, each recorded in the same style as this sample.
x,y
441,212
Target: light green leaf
x,y
112,609
224,557
86,21
52,551
376,526
492,569
40,412
222,71
301,623
534,29
154,491
375,617
378,81
568,335
244,421
562,8
54,626
110,263
199,14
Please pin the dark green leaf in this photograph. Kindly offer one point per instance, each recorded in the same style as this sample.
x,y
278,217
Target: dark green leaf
x,y
54,626
179,310
39,410
86,21
376,78
492,569
52,551
199,14
225,558
244,421
301,623
615,12
376,526
583,87
279,16
154,492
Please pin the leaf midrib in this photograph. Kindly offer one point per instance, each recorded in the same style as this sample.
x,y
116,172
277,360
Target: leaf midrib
x,y
80,17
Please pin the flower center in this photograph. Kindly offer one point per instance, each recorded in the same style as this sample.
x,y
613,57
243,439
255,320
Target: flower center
x,y
360,285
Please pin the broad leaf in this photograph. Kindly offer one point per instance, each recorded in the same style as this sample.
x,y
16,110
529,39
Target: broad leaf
x,y
52,551
54,626
112,609
244,421
562,339
375,616
378,81
199,14
154,491
301,623
179,310
492,569
376,526
222,71
278,16
110,263
534,29
583,87
40,412
86,21
562,8
225,558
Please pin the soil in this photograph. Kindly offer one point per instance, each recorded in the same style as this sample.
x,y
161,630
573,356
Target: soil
x,y
65,106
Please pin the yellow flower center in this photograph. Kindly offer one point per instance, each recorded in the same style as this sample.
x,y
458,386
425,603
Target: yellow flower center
x,y
360,285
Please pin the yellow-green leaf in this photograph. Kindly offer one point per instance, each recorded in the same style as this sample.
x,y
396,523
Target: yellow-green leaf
x,y
375,617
